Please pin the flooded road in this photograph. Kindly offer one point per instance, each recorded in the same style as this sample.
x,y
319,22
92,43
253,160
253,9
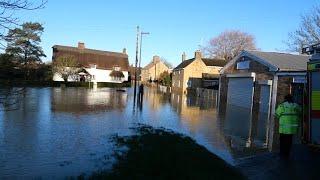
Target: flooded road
x,y
66,132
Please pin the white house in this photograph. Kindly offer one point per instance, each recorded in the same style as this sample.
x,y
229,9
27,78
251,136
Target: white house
x,y
96,65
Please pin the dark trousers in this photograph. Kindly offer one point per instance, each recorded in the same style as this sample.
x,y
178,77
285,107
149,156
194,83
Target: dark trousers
x,y
285,145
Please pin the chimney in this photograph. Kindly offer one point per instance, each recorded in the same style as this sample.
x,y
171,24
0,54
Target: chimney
x,y
184,57
197,55
124,51
156,59
81,45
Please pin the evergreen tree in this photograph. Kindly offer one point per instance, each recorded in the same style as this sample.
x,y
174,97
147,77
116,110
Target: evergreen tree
x,y
24,42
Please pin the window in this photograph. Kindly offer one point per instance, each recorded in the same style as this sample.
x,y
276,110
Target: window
x,y
116,68
243,65
116,78
189,83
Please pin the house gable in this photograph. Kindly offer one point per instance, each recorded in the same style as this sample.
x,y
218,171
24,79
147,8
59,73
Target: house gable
x,y
256,64
273,60
196,65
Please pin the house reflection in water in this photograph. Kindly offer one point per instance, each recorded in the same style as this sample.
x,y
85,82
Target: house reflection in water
x,y
199,115
232,131
245,135
83,100
241,128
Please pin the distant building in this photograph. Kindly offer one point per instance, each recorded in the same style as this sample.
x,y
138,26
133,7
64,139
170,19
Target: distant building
x,y
254,83
98,66
153,70
189,74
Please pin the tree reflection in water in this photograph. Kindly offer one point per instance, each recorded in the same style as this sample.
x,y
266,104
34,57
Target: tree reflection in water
x,y
10,98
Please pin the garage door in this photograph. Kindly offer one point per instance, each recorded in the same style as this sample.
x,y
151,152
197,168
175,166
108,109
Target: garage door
x,y
240,92
238,112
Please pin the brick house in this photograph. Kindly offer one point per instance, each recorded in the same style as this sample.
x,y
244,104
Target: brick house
x,y
254,83
189,73
153,70
97,65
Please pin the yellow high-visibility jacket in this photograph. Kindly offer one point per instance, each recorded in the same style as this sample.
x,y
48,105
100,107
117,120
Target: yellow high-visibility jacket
x,y
289,117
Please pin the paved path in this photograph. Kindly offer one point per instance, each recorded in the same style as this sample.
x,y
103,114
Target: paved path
x,y
304,164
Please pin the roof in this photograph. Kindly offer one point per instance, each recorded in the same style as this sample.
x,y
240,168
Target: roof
x,y
86,57
152,63
283,61
184,64
116,74
214,62
276,61
207,62
149,65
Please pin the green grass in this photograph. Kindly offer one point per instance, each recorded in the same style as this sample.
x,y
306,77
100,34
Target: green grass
x,y
162,154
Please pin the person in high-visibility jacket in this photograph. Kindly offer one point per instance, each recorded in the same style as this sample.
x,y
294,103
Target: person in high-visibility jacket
x,y
289,115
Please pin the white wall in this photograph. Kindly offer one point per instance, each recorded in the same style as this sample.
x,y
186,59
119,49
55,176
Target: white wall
x,y
100,75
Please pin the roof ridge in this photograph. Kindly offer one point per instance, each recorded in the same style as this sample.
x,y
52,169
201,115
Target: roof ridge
x,y
89,49
285,53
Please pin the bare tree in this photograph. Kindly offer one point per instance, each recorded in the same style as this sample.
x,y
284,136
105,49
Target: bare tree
x,y
229,44
166,62
65,67
308,32
8,20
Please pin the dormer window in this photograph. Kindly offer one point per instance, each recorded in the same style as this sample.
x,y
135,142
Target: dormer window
x,y
116,68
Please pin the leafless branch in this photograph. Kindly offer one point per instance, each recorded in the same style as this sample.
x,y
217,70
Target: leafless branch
x,y
229,44
8,20
307,33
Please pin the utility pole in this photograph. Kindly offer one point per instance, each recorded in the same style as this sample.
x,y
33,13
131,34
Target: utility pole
x,y
141,34
135,70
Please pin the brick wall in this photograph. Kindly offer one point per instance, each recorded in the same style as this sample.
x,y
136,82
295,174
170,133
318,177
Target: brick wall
x,y
284,86
261,71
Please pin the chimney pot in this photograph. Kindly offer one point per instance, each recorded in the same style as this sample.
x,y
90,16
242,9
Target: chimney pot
x,y
197,55
156,59
184,57
81,45
124,51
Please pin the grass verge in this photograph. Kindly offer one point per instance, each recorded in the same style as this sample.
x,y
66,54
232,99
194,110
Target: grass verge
x,y
162,154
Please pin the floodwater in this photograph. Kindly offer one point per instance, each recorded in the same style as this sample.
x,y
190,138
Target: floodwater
x,y
63,132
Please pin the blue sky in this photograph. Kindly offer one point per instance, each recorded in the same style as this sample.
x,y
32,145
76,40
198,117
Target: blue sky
x,y
175,26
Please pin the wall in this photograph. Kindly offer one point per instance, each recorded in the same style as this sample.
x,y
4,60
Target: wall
x,y
192,72
177,80
153,71
262,74
261,71
100,76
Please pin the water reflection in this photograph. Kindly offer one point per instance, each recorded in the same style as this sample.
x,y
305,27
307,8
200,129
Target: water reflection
x,y
82,100
64,132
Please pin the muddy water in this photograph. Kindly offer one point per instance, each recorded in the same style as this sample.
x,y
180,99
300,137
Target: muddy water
x,y
65,132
